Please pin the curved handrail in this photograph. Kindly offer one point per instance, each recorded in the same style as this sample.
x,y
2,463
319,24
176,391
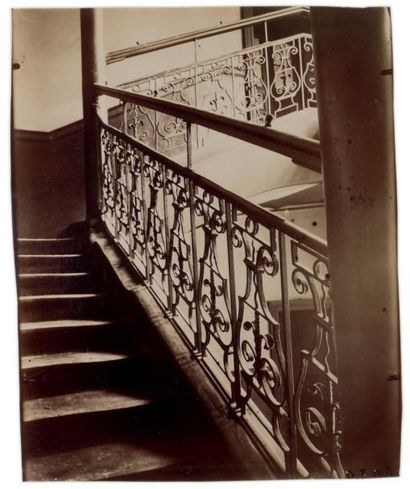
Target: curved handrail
x,y
262,215
298,148
122,54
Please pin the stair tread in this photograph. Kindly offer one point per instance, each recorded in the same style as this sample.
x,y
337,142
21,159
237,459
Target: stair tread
x,y
42,246
47,240
29,298
88,413
65,358
54,274
80,402
43,261
58,282
50,255
98,462
63,323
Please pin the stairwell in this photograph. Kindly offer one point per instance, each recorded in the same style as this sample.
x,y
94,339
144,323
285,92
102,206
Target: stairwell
x,y
101,397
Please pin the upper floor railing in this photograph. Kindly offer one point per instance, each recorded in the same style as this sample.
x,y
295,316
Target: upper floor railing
x,y
258,84
247,291
162,125
268,79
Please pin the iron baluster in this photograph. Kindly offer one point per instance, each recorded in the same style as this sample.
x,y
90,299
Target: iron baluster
x,y
291,457
99,174
267,67
129,199
156,117
189,145
115,187
196,98
237,404
145,210
167,270
265,31
301,70
196,310
269,95
233,87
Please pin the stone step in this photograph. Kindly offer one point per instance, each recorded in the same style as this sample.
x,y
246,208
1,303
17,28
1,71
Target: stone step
x,y
97,462
57,283
64,306
43,337
64,372
49,245
101,397
79,403
51,263
65,324
123,444
68,358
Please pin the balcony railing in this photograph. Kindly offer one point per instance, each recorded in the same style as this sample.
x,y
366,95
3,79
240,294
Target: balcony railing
x,y
247,291
274,78
258,84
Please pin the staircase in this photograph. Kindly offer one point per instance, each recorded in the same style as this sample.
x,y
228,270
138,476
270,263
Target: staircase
x,y
101,397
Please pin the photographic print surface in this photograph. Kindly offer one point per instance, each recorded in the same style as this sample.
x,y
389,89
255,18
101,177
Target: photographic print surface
x,y
205,234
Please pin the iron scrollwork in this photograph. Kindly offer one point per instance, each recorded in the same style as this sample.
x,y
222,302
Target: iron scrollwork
x,y
259,345
309,78
179,251
249,69
107,204
316,402
213,286
274,78
286,85
216,268
155,233
137,214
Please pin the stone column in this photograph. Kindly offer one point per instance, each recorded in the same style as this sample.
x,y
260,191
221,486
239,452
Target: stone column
x,y
355,93
93,71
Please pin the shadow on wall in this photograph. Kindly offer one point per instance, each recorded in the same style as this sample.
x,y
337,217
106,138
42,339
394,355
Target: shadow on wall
x,y
48,181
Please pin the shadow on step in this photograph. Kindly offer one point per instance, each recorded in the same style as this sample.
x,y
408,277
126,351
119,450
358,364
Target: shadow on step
x,y
156,441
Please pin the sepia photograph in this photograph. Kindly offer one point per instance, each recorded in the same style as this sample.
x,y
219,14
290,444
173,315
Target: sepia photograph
x,y
204,210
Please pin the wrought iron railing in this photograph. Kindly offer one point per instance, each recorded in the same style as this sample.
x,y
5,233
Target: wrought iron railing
x,y
161,124
247,291
258,84
274,78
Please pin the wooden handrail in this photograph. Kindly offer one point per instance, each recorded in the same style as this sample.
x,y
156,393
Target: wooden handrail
x,y
121,54
298,148
261,215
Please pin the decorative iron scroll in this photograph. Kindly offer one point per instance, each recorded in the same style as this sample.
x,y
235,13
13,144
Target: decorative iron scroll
x,y
214,308
107,180
286,86
162,132
180,260
252,83
316,404
137,214
309,78
260,351
274,78
248,293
